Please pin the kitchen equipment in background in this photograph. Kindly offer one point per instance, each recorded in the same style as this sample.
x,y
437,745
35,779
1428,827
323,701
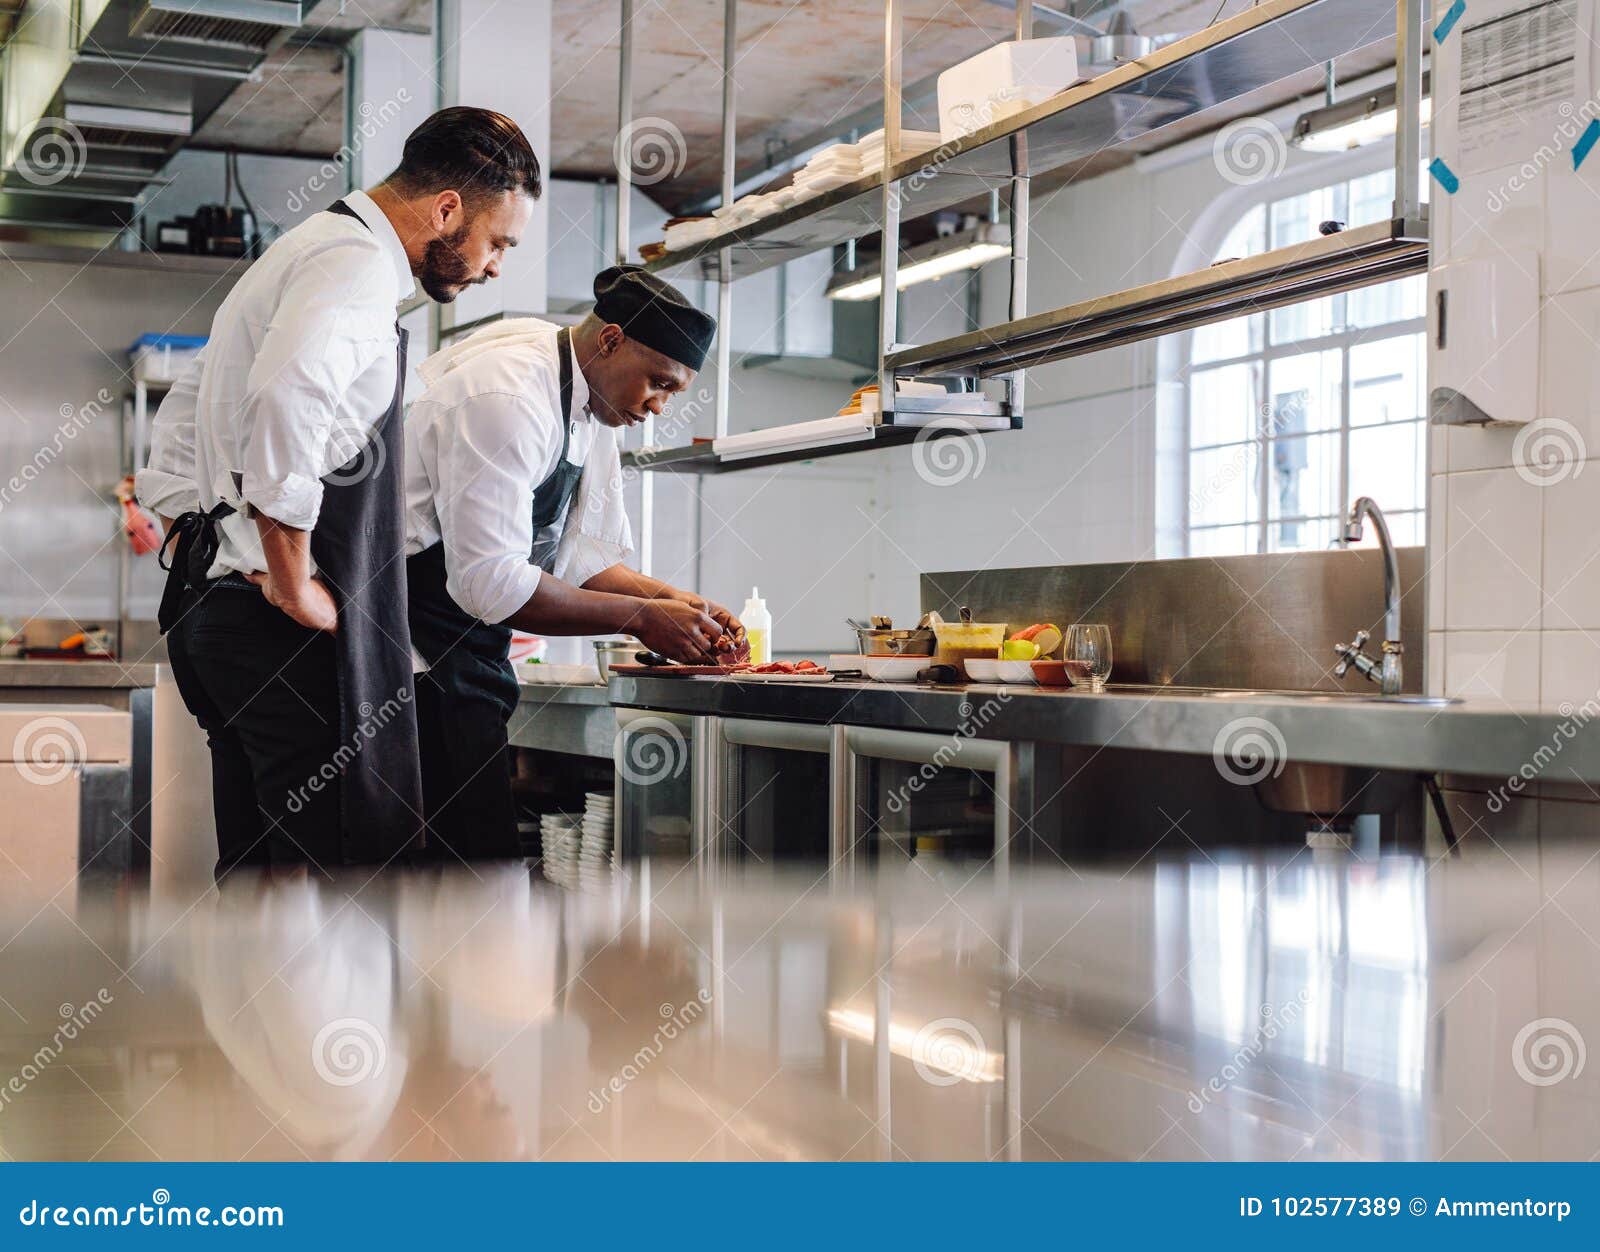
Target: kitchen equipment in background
x,y
758,627
1089,644
226,229
880,638
173,236
1002,81
959,640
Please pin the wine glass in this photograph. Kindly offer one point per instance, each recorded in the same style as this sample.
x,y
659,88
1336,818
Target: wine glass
x,y
1090,644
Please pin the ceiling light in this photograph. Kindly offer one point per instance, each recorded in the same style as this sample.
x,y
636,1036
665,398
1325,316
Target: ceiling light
x,y
1351,123
964,250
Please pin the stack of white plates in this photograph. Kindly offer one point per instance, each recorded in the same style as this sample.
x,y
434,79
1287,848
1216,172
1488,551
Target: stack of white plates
x,y
596,855
560,836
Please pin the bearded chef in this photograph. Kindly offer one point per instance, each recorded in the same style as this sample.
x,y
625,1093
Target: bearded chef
x,y
515,521
280,455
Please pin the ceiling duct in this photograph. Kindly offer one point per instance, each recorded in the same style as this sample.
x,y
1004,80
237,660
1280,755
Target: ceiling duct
x,y
245,25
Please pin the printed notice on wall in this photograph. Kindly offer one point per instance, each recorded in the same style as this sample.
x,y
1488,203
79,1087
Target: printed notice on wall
x,y
1523,70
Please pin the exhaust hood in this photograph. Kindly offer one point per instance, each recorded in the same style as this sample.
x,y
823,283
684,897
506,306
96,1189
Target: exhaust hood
x,y
248,25
97,95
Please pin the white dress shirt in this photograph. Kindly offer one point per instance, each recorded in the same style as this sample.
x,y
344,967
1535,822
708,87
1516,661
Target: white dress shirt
x,y
299,368
480,439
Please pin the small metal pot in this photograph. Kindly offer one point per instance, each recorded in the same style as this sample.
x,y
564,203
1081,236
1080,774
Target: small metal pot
x,y
876,642
609,652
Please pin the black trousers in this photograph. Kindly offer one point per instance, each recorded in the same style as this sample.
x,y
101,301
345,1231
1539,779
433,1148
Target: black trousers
x,y
466,770
265,691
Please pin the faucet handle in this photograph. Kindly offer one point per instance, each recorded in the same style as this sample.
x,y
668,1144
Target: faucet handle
x,y
1351,654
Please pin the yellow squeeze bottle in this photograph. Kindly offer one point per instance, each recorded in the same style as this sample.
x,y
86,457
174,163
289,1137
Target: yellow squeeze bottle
x,y
757,627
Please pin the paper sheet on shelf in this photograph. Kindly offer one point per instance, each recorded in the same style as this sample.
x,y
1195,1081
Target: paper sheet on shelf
x,y
824,430
1524,71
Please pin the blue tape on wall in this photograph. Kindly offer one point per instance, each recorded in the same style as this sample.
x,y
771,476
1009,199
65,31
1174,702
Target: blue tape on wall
x,y
1586,142
1444,176
1447,23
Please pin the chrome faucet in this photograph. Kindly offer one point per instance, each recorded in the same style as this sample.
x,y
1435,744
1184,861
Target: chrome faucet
x,y
1390,672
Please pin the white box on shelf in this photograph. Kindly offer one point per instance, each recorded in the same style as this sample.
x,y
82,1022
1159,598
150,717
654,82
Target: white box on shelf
x,y
1004,80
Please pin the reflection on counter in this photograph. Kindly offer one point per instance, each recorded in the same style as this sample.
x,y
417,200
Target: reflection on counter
x,y
1248,1008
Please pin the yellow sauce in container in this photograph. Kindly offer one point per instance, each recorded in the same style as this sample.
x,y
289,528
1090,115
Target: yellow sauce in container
x,y
959,640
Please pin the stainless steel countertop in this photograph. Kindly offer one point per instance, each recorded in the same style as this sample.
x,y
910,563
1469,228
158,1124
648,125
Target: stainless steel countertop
x,y
1472,738
534,694
110,674
1313,1008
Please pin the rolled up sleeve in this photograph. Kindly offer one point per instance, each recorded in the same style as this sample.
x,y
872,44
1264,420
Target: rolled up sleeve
x,y
166,484
491,448
332,324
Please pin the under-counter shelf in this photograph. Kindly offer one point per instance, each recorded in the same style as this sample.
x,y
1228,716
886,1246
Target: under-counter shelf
x,y
1349,259
1223,62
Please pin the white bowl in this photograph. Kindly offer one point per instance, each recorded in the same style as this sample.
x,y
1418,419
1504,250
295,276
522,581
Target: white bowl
x,y
882,669
989,670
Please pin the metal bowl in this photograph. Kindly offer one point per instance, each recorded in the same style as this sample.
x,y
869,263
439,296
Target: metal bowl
x,y
609,652
876,642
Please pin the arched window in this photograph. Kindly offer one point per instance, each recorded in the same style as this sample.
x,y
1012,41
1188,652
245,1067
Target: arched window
x,y
1293,413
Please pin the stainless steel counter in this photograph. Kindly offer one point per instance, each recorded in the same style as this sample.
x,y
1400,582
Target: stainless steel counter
x,y
1471,738
564,717
1291,1007
112,675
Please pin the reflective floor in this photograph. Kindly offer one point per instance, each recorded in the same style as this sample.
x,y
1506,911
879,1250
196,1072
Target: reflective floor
x,y
1244,1009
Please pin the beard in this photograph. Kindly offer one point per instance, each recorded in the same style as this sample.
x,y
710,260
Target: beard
x,y
444,271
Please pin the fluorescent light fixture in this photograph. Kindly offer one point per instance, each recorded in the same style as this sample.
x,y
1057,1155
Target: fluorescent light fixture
x,y
1351,123
946,1046
964,250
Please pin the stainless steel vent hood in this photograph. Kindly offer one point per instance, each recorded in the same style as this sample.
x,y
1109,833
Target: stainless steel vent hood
x,y
249,25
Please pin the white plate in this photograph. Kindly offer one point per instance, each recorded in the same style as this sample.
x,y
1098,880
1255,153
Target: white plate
x,y
747,677
988,670
882,669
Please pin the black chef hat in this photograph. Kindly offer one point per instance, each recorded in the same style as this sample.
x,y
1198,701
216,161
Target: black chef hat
x,y
655,313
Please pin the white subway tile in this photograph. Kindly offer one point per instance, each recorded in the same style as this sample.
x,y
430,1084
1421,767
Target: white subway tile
x,y
1572,550
1492,564
1501,666
1570,669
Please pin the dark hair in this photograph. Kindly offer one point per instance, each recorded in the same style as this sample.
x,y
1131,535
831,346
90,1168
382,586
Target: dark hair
x,y
473,151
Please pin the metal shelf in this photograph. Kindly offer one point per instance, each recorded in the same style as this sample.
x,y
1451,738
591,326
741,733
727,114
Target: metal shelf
x,y
1353,258
1266,43
701,459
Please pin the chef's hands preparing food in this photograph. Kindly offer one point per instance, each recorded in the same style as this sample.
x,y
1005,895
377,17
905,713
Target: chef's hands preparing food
x,y
734,640
682,632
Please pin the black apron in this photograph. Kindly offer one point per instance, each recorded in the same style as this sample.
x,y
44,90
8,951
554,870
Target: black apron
x,y
356,545
465,767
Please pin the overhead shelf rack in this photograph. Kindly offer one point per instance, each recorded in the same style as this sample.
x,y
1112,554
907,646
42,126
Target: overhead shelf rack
x,y
1271,41
1344,261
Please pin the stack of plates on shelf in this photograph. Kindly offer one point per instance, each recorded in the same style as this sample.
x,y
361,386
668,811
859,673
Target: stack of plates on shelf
x,y
690,231
560,836
596,855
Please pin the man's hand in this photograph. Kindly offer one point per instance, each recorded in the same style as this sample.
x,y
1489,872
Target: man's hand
x,y
734,637
310,603
678,630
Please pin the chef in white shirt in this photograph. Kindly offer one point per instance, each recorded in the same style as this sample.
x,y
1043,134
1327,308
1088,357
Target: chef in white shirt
x,y
280,455
515,520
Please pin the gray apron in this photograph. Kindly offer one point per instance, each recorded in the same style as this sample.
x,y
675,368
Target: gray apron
x,y
470,690
356,544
